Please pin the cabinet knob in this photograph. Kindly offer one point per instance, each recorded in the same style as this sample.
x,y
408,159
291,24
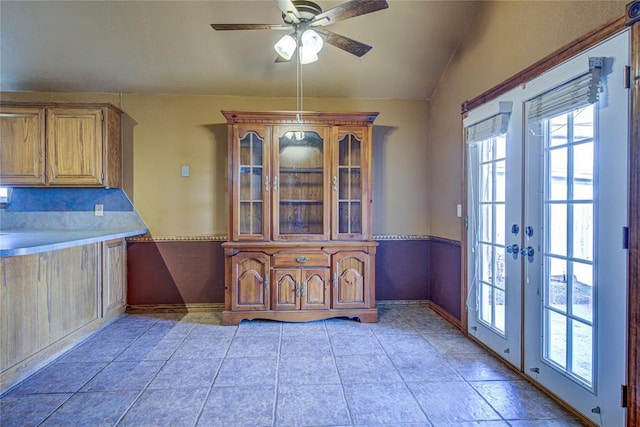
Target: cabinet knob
x,y
302,259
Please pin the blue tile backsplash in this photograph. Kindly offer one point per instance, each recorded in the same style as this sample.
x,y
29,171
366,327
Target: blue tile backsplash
x,y
68,200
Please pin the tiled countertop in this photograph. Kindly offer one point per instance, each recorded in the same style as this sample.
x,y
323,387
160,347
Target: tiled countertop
x,y
25,242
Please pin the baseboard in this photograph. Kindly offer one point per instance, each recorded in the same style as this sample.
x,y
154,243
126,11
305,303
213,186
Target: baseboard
x,y
446,316
400,302
175,308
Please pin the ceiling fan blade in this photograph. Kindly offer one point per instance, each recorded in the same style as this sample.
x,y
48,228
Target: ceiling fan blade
x,y
349,9
289,9
345,43
226,27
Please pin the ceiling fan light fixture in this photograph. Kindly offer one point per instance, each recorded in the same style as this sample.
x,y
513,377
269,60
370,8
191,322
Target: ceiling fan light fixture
x,y
311,41
286,47
307,56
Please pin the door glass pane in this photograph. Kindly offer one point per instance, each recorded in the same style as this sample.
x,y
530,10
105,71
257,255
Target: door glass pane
x,y
500,181
557,338
558,130
486,183
583,123
250,182
486,223
557,226
583,171
500,224
582,350
583,231
557,292
558,174
582,291
349,185
486,304
500,305
300,185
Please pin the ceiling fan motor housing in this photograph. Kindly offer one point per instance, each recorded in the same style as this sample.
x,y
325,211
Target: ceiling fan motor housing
x,y
306,9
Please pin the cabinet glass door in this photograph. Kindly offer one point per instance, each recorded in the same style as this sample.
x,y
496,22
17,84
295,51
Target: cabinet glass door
x,y
349,186
299,188
252,186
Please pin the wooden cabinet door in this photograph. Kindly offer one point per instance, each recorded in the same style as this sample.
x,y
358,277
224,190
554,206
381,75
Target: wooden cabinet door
x,y
22,149
351,183
315,292
300,165
286,289
114,277
351,280
74,146
250,183
250,281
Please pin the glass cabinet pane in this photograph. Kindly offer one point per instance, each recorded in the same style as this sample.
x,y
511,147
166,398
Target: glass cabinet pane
x,y
349,185
250,182
301,183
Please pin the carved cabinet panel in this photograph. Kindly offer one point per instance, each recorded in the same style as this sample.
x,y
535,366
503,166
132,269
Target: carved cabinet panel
x,y
350,275
250,281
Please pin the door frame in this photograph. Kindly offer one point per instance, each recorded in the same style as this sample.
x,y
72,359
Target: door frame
x,y
555,58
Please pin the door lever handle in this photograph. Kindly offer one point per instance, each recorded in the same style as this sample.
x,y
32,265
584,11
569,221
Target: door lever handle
x,y
528,251
513,249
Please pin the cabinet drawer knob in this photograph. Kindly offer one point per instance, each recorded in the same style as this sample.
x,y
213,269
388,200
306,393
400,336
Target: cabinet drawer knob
x,y
302,259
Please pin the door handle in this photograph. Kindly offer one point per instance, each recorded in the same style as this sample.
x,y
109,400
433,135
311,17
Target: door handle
x,y
513,249
528,251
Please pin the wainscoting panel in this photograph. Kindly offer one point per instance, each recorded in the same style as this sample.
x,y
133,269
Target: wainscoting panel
x,y
445,275
175,272
190,271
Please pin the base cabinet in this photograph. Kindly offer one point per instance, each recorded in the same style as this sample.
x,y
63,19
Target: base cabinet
x,y
280,282
50,301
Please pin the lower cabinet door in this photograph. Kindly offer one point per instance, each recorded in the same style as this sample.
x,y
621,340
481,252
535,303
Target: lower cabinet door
x,y
114,277
315,292
286,289
351,279
301,289
250,281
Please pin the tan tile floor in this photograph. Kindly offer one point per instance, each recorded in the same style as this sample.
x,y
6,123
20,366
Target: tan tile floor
x,y
412,368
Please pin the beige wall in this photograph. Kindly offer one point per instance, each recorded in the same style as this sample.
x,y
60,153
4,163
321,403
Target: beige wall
x,y
173,130
503,38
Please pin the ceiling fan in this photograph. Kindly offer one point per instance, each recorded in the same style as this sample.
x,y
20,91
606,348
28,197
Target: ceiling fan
x,y
305,21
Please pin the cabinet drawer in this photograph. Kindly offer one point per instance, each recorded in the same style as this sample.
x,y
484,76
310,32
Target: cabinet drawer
x,y
301,259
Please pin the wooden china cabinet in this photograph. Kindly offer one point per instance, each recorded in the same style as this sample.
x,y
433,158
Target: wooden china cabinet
x,y
300,243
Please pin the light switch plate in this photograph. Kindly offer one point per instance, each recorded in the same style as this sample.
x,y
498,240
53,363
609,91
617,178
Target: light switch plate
x,y
185,171
459,211
98,210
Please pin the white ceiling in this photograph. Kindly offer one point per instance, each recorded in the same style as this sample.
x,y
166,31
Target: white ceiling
x,y
169,47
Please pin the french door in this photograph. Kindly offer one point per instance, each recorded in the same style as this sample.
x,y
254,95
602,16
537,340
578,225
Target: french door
x,y
494,186
575,293
554,263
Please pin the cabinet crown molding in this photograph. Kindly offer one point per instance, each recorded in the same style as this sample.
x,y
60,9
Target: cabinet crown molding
x,y
295,117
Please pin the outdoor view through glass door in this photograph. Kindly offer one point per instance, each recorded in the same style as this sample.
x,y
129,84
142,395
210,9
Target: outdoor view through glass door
x,y
562,181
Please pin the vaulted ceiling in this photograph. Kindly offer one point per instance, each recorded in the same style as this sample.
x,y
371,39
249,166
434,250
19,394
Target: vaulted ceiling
x,y
169,47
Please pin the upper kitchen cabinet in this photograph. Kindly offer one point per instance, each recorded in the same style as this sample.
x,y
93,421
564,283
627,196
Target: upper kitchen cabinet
x,y
22,136
61,145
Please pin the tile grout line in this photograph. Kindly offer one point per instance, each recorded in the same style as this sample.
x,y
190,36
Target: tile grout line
x,y
276,388
335,363
215,377
146,387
